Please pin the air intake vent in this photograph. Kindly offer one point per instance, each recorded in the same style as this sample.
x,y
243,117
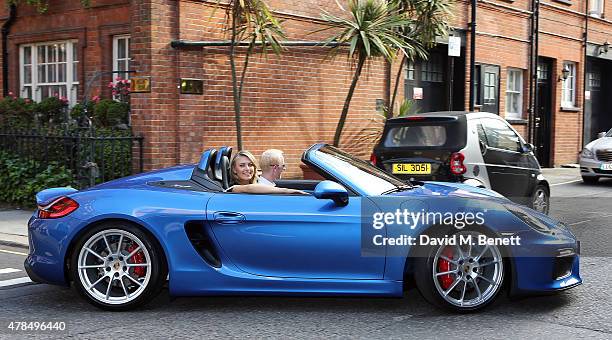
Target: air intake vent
x,y
201,242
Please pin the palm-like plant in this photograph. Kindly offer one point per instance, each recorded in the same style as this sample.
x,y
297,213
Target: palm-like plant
x,y
431,19
251,21
372,28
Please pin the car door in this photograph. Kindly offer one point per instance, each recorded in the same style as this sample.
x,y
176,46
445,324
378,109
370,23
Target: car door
x,y
292,236
509,169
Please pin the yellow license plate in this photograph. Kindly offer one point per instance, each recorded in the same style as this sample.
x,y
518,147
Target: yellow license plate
x,y
412,168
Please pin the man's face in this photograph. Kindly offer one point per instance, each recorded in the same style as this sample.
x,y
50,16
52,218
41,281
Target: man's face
x,y
278,168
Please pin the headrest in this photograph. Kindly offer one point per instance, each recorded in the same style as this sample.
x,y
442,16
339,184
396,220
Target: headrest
x,y
225,151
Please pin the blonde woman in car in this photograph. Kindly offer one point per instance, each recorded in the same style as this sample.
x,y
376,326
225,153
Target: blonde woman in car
x,y
243,175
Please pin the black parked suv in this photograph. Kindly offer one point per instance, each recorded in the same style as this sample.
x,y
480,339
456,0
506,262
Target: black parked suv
x,y
480,149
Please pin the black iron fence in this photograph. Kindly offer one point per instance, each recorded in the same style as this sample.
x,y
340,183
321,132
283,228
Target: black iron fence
x,y
93,156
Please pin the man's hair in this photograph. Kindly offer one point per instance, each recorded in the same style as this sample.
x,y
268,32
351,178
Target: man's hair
x,y
269,158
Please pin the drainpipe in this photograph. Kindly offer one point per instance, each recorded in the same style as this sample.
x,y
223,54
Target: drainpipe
x,y
584,73
532,73
227,43
472,53
535,64
6,29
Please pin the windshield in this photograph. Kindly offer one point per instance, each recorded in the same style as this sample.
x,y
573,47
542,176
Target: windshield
x,y
361,175
609,134
426,134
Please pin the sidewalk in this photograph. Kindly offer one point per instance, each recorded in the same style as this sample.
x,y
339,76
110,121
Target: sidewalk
x,y
14,227
14,231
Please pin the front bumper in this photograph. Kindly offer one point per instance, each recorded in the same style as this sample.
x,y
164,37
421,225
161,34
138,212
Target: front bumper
x,y
590,167
546,265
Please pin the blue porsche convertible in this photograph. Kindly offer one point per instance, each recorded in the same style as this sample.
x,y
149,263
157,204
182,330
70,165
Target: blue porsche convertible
x,y
358,232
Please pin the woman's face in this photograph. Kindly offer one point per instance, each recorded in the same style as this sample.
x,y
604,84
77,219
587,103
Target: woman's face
x,y
243,169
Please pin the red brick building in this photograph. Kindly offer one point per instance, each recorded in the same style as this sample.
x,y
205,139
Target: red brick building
x,y
293,100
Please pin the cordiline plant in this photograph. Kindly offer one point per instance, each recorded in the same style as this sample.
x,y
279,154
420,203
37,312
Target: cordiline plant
x,y
249,21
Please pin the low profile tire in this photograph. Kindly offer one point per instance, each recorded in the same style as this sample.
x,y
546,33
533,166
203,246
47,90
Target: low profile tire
x,y
116,266
540,200
590,179
460,278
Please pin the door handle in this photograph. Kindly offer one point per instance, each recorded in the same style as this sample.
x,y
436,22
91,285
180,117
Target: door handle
x,y
228,218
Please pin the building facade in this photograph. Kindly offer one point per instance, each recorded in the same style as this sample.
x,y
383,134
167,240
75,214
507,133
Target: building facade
x,y
558,99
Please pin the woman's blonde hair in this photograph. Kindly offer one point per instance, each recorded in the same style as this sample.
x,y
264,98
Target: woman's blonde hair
x,y
233,176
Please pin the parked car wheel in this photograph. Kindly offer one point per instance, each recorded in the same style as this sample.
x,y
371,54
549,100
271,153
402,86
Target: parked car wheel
x,y
540,200
590,180
116,266
461,278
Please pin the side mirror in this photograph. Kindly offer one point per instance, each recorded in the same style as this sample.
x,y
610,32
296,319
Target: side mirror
x,y
527,148
601,135
333,191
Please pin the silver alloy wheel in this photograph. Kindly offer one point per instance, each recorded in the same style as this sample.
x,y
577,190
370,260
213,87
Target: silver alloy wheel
x,y
477,272
107,266
540,201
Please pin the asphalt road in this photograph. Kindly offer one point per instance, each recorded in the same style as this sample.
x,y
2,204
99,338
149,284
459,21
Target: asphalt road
x,y
585,311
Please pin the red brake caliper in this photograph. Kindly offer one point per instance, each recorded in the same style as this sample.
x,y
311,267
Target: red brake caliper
x,y
445,280
136,258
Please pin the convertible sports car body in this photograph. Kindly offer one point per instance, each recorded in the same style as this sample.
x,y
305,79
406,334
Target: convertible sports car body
x,y
359,232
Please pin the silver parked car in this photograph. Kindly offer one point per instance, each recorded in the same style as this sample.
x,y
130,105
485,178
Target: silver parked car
x,y
596,158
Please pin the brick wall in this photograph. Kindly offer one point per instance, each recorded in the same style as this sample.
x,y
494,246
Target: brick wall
x,y
292,100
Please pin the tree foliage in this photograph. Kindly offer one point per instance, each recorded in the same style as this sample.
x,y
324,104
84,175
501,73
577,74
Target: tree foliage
x,y
253,22
380,28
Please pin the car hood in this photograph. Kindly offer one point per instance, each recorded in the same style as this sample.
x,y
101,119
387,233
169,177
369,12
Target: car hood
x,y
601,143
448,189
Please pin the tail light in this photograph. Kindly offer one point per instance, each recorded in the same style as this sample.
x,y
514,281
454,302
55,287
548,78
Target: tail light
x,y
59,208
373,159
456,163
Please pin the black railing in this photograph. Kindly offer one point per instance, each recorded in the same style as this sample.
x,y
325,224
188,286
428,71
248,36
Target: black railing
x,y
93,156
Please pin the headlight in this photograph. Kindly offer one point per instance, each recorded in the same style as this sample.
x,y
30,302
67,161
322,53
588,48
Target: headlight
x,y
586,153
529,219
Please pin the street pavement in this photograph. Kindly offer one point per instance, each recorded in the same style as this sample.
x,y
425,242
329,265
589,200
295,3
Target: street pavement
x,y
582,312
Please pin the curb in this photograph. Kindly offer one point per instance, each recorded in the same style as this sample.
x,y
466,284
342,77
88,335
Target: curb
x,y
14,244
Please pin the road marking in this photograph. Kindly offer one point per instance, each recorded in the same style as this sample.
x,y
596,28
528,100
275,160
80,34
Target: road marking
x,y
576,223
12,252
13,282
9,270
568,182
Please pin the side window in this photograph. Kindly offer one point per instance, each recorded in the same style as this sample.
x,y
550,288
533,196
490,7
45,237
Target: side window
x,y
481,134
500,136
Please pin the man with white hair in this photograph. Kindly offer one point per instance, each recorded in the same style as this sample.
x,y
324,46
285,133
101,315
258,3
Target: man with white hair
x,y
272,165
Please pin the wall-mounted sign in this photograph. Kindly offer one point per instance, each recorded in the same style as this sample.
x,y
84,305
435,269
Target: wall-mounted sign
x,y
140,84
454,46
417,93
192,86
587,95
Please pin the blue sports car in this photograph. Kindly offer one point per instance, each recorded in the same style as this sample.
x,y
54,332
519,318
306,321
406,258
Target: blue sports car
x,y
359,232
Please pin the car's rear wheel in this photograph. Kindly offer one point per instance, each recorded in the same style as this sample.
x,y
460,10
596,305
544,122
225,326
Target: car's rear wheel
x,y
463,277
590,179
540,200
116,266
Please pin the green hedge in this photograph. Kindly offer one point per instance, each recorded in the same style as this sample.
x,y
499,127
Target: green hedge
x,y
22,179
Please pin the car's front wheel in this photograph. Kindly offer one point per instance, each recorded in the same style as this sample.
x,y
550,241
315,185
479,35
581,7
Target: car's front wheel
x,y
116,266
590,179
463,277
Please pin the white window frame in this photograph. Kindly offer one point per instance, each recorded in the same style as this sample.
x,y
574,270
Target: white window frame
x,y
71,85
568,87
597,8
518,83
117,60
